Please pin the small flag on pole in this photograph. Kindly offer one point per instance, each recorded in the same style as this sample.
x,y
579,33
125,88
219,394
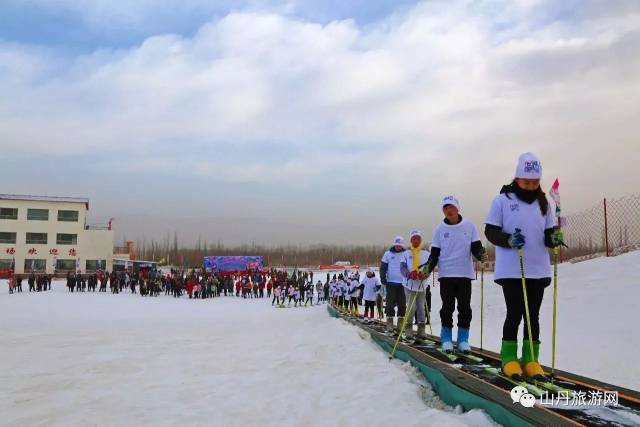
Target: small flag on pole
x,y
555,195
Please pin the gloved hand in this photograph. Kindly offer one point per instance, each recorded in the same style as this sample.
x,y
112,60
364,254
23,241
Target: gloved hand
x,y
422,275
557,238
413,275
517,239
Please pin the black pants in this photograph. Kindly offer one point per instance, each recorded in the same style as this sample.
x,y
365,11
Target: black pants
x,y
396,298
514,299
354,302
368,308
452,289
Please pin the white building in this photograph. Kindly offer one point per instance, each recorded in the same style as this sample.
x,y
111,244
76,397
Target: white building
x,y
50,234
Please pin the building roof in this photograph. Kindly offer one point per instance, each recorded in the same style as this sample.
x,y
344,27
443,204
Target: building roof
x,y
45,198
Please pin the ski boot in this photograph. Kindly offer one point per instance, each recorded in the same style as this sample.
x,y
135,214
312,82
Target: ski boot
x,y
445,338
463,341
399,325
531,366
509,357
389,324
408,331
422,334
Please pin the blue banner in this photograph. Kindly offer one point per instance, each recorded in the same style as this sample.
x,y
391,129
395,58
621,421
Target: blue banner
x,y
233,263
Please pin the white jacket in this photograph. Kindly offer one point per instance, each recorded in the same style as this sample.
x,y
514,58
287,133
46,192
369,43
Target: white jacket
x,y
370,288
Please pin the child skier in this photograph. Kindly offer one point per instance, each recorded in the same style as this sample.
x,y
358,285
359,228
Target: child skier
x,y
371,285
454,241
308,291
354,292
392,279
319,292
333,292
416,282
520,222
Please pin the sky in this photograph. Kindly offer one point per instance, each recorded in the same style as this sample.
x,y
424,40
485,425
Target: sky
x,y
300,122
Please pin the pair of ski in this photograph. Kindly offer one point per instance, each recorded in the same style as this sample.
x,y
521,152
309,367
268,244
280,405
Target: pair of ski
x,y
537,387
426,343
454,356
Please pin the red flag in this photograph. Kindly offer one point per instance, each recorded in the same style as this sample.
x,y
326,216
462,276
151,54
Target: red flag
x,y
555,195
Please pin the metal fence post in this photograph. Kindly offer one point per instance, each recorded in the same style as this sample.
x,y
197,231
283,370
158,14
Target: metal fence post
x,y
606,228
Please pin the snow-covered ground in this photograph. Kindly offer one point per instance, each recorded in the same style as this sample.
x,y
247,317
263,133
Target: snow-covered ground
x,y
103,359
113,360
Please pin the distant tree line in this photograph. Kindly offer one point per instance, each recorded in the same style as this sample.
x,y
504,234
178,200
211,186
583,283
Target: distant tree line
x,y
169,251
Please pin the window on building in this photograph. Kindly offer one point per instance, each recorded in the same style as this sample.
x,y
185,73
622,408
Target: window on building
x,y
36,239
7,237
65,264
70,216
94,265
66,239
8,213
6,263
38,265
38,214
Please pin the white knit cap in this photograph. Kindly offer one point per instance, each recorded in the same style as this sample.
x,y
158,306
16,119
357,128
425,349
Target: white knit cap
x,y
450,200
415,233
529,167
398,241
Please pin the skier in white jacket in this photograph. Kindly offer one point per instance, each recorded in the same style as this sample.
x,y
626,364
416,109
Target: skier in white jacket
x,y
416,283
370,294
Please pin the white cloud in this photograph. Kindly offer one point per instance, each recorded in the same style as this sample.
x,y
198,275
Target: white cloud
x,y
439,89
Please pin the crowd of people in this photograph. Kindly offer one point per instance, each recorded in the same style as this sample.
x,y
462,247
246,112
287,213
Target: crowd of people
x,y
298,289
36,282
521,225
193,283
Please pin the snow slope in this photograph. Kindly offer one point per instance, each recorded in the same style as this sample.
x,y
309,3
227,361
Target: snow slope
x,y
113,360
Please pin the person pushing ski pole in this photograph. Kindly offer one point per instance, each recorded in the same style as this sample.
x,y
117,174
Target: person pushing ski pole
x,y
416,282
521,225
391,278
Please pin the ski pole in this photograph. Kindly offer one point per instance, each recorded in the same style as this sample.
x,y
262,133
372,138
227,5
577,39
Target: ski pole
x,y
555,310
526,302
481,302
404,324
404,320
428,309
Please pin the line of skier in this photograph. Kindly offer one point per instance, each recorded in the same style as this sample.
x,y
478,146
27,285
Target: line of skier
x,y
521,225
298,290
